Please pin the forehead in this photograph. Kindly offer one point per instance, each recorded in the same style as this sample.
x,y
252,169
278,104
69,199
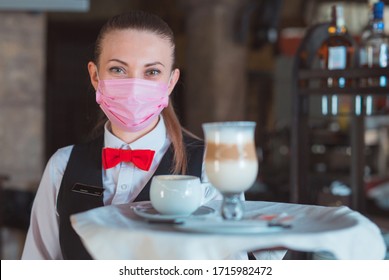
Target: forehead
x,y
131,45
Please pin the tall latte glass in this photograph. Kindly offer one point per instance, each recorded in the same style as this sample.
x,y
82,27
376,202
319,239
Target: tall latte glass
x,y
231,162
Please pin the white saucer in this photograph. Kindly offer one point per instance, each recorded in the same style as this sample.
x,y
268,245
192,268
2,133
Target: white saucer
x,y
228,227
147,211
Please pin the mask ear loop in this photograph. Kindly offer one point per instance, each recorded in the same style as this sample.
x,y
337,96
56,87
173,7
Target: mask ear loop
x,y
98,79
97,72
98,94
170,78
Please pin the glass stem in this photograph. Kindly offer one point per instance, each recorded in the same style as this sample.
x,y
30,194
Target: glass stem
x,y
232,207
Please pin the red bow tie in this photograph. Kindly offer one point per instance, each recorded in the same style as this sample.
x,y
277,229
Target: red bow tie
x,y
140,158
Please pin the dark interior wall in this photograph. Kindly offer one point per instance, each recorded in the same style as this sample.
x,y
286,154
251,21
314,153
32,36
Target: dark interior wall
x,y
70,102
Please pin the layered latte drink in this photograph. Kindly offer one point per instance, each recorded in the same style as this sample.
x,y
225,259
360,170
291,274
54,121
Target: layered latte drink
x,y
230,160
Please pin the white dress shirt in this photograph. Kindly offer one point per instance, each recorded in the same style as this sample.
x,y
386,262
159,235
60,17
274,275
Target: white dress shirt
x,y
121,183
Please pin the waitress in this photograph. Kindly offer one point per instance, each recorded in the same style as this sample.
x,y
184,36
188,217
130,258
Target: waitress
x,y
133,76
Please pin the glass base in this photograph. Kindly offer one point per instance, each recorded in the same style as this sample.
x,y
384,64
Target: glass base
x,y
232,207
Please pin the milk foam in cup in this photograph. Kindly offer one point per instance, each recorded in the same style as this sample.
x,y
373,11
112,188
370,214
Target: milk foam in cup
x,y
176,194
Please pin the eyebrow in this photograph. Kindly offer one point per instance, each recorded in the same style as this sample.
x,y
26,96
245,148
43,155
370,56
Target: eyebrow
x,y
118,60
147,65
154,63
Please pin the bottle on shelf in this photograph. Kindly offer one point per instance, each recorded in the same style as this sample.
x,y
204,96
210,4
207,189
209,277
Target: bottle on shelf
x,y
336,52
374,53
367,30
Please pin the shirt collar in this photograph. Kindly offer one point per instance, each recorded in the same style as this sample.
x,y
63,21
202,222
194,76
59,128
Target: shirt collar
x,y
154,140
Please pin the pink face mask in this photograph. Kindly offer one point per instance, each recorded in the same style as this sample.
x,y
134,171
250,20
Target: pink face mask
x,y
132,104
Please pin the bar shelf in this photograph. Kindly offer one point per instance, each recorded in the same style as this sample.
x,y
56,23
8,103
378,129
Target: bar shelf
x,y
306,85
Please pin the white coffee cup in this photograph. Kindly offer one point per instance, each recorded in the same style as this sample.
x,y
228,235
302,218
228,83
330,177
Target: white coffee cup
x,y
175,194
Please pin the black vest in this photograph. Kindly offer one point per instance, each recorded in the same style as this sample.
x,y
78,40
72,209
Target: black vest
x,y
85,167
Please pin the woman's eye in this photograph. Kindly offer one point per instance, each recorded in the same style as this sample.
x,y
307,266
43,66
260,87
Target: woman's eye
x,y
153,72
117,70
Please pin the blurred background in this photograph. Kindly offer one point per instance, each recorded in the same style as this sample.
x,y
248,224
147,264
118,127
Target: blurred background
x,y
236,59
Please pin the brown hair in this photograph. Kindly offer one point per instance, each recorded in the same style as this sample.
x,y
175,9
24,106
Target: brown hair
x,y
143,21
